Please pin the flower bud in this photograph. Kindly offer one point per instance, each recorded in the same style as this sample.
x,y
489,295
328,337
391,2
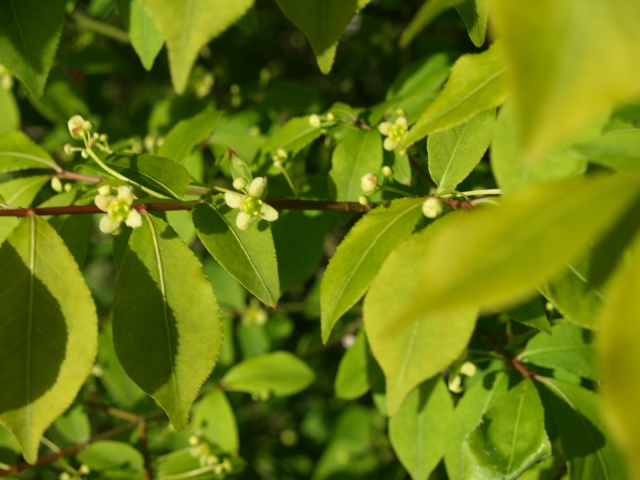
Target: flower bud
x,y
314,121
364,200
76,127
369,182
239,183
432,207
387,171
56,184
330,117
68,149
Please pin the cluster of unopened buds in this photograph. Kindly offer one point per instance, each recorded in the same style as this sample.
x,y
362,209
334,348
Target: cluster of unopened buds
x,y
118,209
322,121
201,449
81,129
251,202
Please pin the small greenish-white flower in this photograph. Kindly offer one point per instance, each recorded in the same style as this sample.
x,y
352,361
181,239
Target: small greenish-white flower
x,y
432,207
280,157
118,209
251,204
394,132
369,182
78,127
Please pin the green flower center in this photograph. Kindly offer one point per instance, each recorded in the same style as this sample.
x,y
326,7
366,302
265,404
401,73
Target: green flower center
x,y
251,205
119,209
397,132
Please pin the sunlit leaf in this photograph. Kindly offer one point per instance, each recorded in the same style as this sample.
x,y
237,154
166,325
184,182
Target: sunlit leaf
x,y
188,134
213,418
475,14
166,331
144,35
49,338
18,152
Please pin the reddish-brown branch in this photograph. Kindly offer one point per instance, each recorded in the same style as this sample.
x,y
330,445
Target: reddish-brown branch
x,y
142,428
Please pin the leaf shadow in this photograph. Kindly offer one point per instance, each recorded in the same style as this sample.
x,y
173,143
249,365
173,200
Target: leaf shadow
x,y
145,333
33,339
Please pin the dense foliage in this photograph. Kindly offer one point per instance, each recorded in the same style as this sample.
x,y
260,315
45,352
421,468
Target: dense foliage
x,y
327,239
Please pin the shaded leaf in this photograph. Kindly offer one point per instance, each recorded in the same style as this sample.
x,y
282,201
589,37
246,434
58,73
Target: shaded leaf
x,y
417,430
18,152
10,119
291,137
188,25
454,152
583,438
277,373
477,82
566,348
358,153
356,369
531,314
29,34
188,134
323,22
569,62
618,150
509,439
475,14
48,340
248,255
214,419
423,344
429,10
111,458
501,253
167,332
353,267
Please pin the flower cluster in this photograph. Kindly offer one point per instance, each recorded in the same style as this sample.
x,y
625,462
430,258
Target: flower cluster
x,y
394,132
251,203
118,209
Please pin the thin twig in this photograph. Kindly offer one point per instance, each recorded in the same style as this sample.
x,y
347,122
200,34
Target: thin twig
x,y
144,447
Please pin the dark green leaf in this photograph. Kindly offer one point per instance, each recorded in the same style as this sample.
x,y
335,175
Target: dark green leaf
x,y
475,14
357,370
323,22
417,430
248,255
48,340
10,119
18,152
112,458
531,314
509,439
360,256
292,137
29,34
278,373
166,331
430,9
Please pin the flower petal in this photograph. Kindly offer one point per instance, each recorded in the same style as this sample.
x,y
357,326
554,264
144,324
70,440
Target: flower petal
x,y
258,187
134,219
389,145
383,128
243,220
109,225
401,121
233,199
269,213
125,193
102,202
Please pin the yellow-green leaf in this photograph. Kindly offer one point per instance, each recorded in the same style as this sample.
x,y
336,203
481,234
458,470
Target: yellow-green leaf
x,y
49,337
569,62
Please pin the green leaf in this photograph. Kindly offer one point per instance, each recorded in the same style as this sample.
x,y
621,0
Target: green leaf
x,y
454,152
422,345
30,30
74,425
416,86
188,25
152,174
502,253
467,414
417,430
475,14
575,294
563,78
618,150
430,10
239,169
358,153
48,340
278,373
145,37
214,419
292,137
112,458
566,348
531,314
188,134
18,152
513,172
323,22
583,438
357,370
166,331
248,255
10,119
360,256
619,358
510,438
477,82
